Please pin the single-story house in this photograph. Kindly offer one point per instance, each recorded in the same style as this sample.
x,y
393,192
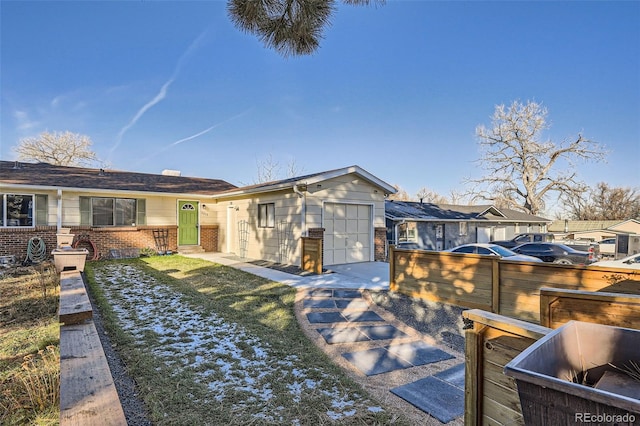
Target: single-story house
x,y
594,230
444,226
119,210
624,234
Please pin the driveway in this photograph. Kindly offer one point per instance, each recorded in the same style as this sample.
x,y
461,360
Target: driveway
x,y
363,275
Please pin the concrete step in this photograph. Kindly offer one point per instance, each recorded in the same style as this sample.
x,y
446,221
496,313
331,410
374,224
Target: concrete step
x,y
190,249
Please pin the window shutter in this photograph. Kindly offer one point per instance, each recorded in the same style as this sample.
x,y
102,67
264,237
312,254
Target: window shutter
x,y
42,209
85,211
141,209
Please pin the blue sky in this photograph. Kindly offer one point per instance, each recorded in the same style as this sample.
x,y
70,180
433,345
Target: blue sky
x,y
398,89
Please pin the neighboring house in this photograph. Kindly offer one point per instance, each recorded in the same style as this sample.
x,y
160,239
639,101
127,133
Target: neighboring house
x,y
594,230
119,210
625,234
444,226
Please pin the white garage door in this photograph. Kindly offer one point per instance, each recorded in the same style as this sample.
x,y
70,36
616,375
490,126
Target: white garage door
x,y
347,236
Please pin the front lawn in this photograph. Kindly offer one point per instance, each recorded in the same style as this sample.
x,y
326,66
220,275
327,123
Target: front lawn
x,y
209,344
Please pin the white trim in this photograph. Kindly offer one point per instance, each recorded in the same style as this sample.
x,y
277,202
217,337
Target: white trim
x,y
320,177
107,191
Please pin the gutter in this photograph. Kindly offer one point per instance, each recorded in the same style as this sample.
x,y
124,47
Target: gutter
x,y
303,210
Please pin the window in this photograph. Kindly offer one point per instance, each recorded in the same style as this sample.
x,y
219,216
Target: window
x,y
407,231
266,215
463,228
96,211
465,249
21,210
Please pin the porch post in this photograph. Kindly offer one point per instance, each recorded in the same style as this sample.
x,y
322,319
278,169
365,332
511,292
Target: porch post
x,y
59,212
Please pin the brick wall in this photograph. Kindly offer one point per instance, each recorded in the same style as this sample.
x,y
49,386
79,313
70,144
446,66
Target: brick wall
x,y
380,244
14,241
209,237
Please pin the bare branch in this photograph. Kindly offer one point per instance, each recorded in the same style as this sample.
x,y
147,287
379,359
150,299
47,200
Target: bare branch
x,y
520,166
62,149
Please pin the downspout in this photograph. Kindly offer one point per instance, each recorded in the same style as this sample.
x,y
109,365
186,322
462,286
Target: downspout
x,y
59,213
395,236
303,210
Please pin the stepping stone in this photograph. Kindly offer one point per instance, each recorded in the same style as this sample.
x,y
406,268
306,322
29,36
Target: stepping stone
x,y
382,332
347,294
325,317
342,335
365,316
319,303
419,353
442,400
375,361
321,293
453,375
351,304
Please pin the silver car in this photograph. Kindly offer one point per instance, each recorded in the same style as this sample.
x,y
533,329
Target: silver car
x,y
493,250
629,262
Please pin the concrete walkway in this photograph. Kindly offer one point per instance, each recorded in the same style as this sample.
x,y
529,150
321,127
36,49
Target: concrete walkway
x,y
364,275
366,338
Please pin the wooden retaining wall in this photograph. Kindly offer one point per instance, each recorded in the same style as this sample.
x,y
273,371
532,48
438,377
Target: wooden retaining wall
x,y
491,397
88,394
558,307
495,285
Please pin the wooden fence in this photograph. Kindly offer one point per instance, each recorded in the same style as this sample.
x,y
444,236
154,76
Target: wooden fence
x,y
495,285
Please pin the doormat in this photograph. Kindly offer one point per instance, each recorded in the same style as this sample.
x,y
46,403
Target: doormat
x,y
289,269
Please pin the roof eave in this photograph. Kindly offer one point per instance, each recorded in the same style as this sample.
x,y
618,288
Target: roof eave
x,y
106,191
310,181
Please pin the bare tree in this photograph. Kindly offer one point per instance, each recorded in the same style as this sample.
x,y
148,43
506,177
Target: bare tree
x,y
291,27
269,170
61,149
519,165
603,203
426,195
458,197
400,195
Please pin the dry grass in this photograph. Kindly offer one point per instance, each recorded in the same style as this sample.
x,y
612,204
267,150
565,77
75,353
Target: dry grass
x,y
29,346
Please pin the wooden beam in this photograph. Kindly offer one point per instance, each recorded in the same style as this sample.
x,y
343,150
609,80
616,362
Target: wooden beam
x,y
75,306
473,375
511,325
590,295
495,286
88,395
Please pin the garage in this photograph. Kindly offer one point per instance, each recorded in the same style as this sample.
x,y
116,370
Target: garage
x,y
348,233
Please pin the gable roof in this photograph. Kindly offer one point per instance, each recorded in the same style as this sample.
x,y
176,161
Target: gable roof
x,y
416,211
47,177
309,179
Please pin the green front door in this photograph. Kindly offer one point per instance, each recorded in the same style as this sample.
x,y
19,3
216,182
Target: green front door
x,y
187,223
